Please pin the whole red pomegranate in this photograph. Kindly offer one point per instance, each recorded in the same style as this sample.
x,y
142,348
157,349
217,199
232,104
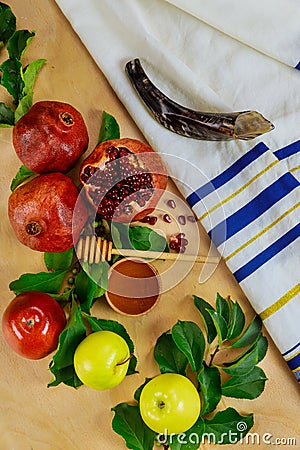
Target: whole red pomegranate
x,y
50,137
32,323
123,179
46,213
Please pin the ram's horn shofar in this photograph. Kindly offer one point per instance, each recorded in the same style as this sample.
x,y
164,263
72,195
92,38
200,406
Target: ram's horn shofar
x,y
195,124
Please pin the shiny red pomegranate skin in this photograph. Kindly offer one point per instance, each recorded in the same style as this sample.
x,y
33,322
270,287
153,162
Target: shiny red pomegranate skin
x,y
142,181
32,323
46,213
50,137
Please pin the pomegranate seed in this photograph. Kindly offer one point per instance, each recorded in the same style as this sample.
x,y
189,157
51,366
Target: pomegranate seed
x,y
181,220
184,242
191,218
153,220
167,218
171,204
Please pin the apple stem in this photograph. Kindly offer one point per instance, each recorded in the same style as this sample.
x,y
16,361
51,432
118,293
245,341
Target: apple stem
x,y
126,360
161,404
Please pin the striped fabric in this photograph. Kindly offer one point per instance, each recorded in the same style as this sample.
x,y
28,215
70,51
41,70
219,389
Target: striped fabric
x,y
246,194
249,248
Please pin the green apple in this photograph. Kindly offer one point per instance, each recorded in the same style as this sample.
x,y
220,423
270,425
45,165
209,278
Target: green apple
x,y
170,403
101,360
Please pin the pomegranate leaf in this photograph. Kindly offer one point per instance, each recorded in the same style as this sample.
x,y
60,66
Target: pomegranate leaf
x,y
23,174
190,340
128,423
144,238
49,282
168,356
62,366
138,237
12,78
118,328
227,427
59,260
209,325
210,388
24,106
30,74
90,284
7,118
18,43
241,386
109,128
7,23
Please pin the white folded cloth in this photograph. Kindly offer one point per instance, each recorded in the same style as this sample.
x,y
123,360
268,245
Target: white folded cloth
x,y
221,56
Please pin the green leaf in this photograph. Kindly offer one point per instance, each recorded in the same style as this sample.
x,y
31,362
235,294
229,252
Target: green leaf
x,y
128,423
190,440
262,345
220,325
248,386
62,365
24,106
120,235
30,74
190,340
222,308
64,297
7,117
59,260
144,238
168,357
138,391
244,364
211,388
109,128
237,321
209,325
87,289
250,335
18,43
12,78
22,175
227,427
118,328
7,23
49,282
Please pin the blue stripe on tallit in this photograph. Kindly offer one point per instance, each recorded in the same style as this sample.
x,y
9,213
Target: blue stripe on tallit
x,y
287,151
271,251
291,349
228,174
294,363
252,210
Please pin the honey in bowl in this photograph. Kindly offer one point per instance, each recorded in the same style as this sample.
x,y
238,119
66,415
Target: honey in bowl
x,y
133,287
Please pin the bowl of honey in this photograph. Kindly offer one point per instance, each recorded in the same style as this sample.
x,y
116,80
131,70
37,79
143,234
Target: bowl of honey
x,y
133,287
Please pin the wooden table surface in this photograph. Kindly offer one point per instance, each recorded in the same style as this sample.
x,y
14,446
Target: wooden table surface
x,y
33,416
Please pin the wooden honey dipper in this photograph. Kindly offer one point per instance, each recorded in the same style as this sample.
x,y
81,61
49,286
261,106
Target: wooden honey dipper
x,y
94,249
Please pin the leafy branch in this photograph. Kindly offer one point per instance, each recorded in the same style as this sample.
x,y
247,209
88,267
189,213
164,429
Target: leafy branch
x,y
184,350
16,78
